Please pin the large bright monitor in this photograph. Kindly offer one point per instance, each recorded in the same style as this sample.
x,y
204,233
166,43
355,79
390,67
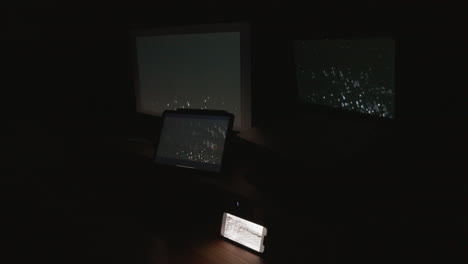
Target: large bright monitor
x,y
198,67
350,74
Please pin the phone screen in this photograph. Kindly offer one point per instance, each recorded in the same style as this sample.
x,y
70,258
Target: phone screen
x,y
243,232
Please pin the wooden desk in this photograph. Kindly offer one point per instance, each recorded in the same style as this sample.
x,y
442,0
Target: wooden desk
x,y
203,251
198,248
235,182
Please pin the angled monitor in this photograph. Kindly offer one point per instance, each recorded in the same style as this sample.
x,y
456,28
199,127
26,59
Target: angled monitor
x,y
197,67
194,139
350,74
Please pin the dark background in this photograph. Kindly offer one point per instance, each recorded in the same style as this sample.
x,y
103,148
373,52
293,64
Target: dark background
x,y
68,100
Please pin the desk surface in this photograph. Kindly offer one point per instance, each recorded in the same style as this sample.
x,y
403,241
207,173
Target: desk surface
x,y
206,251
349,221
234,181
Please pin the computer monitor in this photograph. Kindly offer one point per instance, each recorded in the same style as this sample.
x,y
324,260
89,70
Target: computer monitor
x,y
355,74
196,67
194,139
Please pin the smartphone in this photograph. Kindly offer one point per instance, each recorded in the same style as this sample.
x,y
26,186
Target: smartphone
x,y
243,232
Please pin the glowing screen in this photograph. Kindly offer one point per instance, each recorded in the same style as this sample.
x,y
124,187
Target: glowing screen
x,y
351,74
193,141
198,71
243,232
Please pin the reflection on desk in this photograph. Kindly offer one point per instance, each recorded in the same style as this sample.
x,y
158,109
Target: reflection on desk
x,y
214,251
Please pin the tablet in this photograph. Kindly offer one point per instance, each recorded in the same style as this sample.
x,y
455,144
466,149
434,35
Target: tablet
x,y
194,139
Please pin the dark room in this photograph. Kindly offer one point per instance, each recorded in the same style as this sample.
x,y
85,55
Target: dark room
x,y
179,132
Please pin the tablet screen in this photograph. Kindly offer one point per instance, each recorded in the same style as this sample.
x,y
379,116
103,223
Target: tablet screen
x,y
193,141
